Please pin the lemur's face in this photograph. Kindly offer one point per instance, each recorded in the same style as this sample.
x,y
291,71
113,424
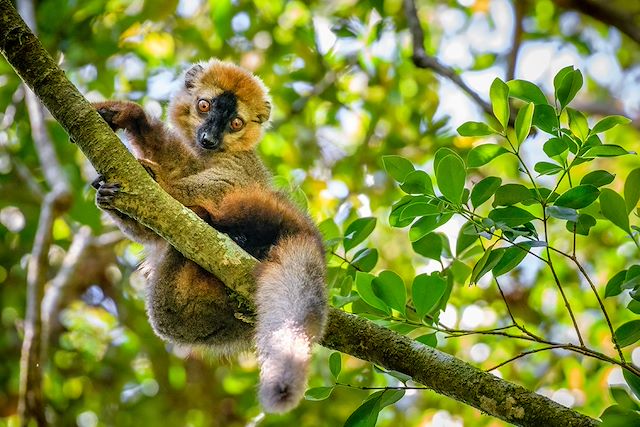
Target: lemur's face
x,y
221,108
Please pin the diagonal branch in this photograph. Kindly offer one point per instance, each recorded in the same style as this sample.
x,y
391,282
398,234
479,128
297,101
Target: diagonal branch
x,y
602,11
422,59
145,201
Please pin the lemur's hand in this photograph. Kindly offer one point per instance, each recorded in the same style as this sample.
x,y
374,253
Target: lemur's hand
x,y
106,192
122,115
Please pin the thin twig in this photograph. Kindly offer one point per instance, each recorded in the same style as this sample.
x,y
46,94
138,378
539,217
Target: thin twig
x,y
526,353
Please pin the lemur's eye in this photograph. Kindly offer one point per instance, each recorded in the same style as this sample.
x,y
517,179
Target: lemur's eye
x,y
203,105
236,124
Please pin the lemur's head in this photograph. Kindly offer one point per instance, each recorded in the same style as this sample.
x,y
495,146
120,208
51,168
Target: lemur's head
x,y
221,107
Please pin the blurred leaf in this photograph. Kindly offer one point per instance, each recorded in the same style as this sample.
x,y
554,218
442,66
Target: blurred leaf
x,y
483,154
623,399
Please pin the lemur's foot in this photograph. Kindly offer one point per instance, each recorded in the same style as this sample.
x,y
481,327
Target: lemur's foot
x,y
106,193
98,181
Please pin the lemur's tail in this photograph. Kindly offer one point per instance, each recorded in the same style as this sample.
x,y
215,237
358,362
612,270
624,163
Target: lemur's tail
x,y
292,312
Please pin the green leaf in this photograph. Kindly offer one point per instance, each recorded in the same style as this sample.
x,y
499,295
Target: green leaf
x,y
623,399
365,290
598,178
511,258
367,414
632,189
523,122
578,124
429,339
578,197
429,245
499,94
606,150
545,119
510,194
526,91
633,381
330,232
560,75
318,393
451,175
634,306
628,333
483,154
419,208
614,285
511,216
427,224
555,147
569,87
559,212
417,182
365,259
546,168
614,209
490,259
441,153
398,208
582,226
389,287
475,129
609,122
335,364
426,292
357,231
467,236
483,190
397,167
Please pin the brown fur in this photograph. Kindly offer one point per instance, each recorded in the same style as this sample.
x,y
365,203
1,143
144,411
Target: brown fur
x,y
230,188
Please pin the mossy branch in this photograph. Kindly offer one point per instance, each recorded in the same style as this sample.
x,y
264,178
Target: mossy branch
x,y
145,201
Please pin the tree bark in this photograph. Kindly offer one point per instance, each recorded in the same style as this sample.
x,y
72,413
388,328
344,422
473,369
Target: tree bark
x,y
143,200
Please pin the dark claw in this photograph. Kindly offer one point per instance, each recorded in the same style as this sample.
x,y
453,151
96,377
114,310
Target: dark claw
x,y
106,193
108,116
96,183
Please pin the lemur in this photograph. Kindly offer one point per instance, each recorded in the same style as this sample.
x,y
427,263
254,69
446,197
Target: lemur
x,y
207,161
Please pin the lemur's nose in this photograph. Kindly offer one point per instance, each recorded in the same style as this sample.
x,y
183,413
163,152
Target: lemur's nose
x,y
207,140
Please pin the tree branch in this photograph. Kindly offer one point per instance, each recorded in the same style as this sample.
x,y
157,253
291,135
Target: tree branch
x,y
423,60
603,12
146,202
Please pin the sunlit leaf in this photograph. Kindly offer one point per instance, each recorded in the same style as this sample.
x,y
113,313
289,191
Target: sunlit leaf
x,y
632,189
510,194
609,122
598,178
483,154
389,287
357,231
335,364
397,167
614,209
606,150
526,91
578,197
318,393
523,122
417,182
426,291
475,129
628,333
365,290
483,190
451,175
499,94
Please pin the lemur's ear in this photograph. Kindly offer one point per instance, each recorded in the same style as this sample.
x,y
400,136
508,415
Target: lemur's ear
x,y
191,75
264,115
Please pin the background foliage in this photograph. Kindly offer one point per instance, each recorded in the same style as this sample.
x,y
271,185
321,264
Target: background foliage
x,y
346,94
